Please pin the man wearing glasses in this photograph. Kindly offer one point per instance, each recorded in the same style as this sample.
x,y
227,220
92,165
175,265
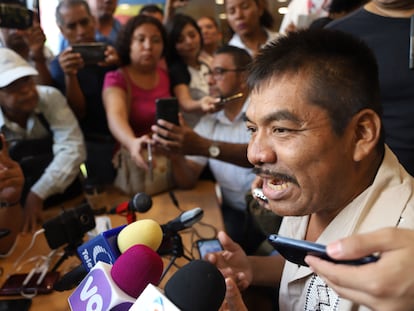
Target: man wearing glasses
x,y
219,140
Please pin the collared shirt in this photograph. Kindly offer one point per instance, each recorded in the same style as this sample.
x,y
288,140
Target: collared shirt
x,y
237,41
389,201
234,180
68,145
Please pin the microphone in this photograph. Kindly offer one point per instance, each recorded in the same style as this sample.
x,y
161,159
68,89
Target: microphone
x,y
411,56
117,287
141,203
198,285
184,220
107,247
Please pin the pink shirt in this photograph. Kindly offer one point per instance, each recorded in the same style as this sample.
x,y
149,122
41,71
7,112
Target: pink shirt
x,y
142,111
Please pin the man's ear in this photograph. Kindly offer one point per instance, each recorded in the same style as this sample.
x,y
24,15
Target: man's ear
x,y
367,127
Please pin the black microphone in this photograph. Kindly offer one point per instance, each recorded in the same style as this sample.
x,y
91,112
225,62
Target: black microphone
x,y
141,203
411,56
198,285
184,220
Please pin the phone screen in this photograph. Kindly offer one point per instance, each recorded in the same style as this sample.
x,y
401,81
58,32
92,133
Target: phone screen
x,y
208,246
15,304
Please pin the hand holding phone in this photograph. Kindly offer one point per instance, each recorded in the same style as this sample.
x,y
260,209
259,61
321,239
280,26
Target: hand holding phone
x,y
206,246
296,250
167,109
92,53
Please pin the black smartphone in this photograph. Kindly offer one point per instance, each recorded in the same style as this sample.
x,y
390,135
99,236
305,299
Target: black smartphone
x,y
167,109
14,284
15,16
92,53
15,304
296,250
206,246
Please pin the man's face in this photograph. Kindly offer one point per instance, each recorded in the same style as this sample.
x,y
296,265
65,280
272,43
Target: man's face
x,y
224,83
14,39
19,97
78,26
305,167
102,8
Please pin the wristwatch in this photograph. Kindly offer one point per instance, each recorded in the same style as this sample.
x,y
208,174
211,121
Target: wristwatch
x,y
214,150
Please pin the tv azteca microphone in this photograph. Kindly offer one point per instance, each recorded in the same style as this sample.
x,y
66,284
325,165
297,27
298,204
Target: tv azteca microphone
x,y
198,285
116,288
107,247
141,203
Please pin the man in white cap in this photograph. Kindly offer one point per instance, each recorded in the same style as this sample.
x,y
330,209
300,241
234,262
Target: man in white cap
x,y
33,112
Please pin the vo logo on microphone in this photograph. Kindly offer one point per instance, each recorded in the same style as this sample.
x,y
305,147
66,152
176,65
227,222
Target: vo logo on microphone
x,y
94,292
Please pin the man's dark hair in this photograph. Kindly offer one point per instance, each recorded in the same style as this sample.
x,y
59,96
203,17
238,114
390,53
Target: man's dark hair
x,y
69,4
341,72
151,8
241,57
123,42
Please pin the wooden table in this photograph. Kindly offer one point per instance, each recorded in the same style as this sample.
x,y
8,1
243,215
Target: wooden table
x,y
162,211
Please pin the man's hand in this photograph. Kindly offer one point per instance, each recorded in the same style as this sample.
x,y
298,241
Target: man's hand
x,y
232,262
176,139
70,62
11,176
233,300
387,284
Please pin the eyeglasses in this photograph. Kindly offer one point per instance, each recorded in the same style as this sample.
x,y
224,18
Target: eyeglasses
x,y
218,72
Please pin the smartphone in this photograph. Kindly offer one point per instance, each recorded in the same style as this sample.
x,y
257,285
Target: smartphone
x,y
206,246
14,284
15,16
15,304
296,250
167,109
92,53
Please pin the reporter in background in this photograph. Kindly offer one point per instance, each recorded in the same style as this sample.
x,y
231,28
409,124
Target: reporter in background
x,y
31,112
11,186
29,43
82,85
317,146
218,141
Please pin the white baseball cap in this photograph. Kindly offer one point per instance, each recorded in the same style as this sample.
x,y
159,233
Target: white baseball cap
x,y
13,67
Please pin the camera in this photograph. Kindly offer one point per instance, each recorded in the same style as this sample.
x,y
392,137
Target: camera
x,y
15,16
70,226
92,53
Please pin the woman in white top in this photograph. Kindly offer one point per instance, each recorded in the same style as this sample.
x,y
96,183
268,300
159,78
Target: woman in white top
x,y
187,73
251,21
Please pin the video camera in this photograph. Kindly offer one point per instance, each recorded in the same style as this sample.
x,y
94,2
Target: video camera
x,y
15,14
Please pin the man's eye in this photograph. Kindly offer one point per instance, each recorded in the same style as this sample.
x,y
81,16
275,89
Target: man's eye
x,y
281,130
251,130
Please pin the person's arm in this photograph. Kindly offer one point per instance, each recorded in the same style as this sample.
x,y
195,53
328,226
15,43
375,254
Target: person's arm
x,y
116,108
11,185
186,141
188,104
71,63
36,39
387,284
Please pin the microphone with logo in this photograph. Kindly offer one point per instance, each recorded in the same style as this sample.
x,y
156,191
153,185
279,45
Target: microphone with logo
x,y
116,287
108,246
199,285
141,203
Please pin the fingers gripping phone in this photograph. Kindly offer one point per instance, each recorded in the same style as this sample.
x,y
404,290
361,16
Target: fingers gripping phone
x,y
206,246
167,109
92,53
296,250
